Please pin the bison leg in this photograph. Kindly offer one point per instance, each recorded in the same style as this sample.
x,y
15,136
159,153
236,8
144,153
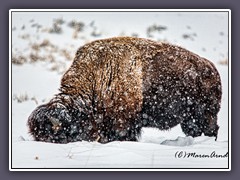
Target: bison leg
x,y
192,127
129,131
211,127
195,127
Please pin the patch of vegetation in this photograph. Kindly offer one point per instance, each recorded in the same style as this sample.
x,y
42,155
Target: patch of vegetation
x,y
189,36
19,60
224,62
77,26
155,28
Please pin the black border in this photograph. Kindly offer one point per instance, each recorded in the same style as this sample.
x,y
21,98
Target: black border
x,y
4,90
133,169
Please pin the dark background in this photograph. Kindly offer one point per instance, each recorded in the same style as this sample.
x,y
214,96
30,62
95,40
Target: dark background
x,y
125,4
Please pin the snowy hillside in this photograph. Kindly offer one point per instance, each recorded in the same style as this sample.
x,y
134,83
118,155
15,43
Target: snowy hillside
x,y
43,47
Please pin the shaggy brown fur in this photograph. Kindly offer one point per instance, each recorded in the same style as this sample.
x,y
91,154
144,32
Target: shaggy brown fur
x,y
116,86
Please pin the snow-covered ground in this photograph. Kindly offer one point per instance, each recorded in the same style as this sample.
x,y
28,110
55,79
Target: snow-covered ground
x,y
42,51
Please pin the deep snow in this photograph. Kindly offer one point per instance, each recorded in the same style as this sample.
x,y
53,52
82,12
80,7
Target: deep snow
x,y
204,33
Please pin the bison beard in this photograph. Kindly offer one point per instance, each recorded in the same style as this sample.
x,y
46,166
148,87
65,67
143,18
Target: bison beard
x,y
116,86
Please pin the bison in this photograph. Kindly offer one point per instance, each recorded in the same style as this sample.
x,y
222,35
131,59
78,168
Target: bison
x,y
116,86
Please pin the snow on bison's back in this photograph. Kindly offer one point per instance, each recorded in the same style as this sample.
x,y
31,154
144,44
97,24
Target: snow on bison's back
x,y
116,86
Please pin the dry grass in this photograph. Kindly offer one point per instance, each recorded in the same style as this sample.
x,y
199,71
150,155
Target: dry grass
x,y
19,60
21,98
66,54
25,36
59,67
35,100
224,62
190,36
155,28
78,26
56,28
45,51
